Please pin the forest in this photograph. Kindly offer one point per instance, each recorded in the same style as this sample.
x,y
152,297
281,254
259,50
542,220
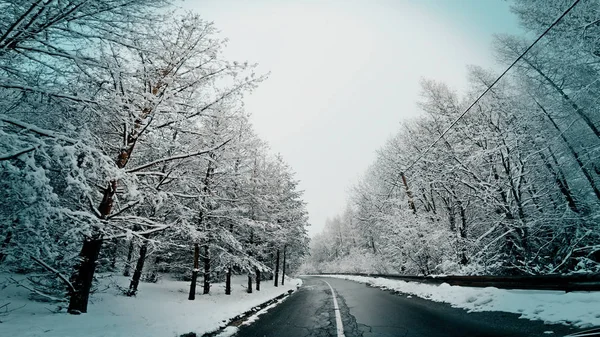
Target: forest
x,y
512,189
125,149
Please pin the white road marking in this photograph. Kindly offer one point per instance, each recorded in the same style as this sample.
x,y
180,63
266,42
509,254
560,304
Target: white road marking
x,y
338,317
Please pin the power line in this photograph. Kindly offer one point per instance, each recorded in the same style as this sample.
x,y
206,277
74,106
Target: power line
x,y
490,87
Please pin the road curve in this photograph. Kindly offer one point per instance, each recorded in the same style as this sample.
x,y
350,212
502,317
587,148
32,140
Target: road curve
x,y
367,311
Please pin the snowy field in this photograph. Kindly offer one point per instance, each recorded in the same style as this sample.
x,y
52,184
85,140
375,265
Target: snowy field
x,y
160,310
581,309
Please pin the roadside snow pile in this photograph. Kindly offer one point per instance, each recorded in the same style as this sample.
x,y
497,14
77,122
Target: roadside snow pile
x,y
160,310
578,308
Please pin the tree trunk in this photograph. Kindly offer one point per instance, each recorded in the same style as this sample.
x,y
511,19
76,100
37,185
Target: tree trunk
x,y
451,216
90,250
228,282
272,258
113,254
257,279
411,203
575,155
137,274
83,276
5,244
206,260
192,295
283,267
277,268
127,270
228,275
463,235
153,275
250,243
559,179
563,94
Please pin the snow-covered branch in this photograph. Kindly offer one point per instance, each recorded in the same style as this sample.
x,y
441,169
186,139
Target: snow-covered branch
x,y
125,208
35,129
47,93
139,234
177,157
56,272
17,153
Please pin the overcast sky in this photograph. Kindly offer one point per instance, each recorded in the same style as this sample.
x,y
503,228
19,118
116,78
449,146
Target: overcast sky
x,y
345,73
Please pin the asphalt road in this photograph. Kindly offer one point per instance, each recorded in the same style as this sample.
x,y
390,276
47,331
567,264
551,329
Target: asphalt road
x,y
367,311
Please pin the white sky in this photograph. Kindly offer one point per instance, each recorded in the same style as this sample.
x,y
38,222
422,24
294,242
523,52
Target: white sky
x,y
345,73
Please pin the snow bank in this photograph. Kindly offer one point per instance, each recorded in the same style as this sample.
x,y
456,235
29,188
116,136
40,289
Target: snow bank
x,y
160,310
578,308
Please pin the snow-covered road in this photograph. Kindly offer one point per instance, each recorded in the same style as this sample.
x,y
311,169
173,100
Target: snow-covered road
x,y
368,311
581,309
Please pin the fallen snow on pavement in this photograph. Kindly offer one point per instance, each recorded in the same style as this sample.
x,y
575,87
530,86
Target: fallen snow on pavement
x,y
160,310
578,308
232,330
228,332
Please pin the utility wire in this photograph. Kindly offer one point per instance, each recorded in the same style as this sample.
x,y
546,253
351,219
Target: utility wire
x,y
490,87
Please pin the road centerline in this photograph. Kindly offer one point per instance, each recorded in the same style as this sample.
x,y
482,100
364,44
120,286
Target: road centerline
x,y
336,309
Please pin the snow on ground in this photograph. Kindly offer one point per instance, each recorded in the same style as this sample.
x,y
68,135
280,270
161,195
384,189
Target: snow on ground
x,y
579,308
160,310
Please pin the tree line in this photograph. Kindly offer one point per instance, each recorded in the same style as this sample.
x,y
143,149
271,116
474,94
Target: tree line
x,y
124,146
513,188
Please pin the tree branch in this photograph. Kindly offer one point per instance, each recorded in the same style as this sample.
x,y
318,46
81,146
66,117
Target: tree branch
x,y
19,284
56,272
35,129
181,156
94,209
14,155
52,94
140,235
126,207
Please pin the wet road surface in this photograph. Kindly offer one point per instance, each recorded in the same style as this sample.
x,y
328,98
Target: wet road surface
x,y
367,311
